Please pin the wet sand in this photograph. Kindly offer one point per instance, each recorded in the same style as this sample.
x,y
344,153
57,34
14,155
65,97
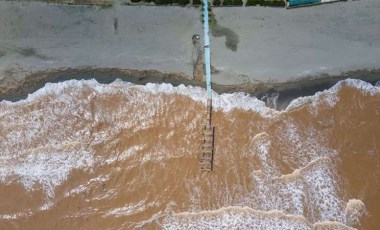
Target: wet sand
x,y
13,91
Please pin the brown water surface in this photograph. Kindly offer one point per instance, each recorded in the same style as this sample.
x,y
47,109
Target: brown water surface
x,y
81,155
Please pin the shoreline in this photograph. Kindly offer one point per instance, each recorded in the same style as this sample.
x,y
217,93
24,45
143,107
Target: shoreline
x,y
287,91
254,49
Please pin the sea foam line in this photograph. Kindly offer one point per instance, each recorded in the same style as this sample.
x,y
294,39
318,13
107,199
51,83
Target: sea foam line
x,y
243,217
225,102
329,96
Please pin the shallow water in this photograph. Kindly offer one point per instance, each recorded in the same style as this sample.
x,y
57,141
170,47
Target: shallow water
x,y
83,155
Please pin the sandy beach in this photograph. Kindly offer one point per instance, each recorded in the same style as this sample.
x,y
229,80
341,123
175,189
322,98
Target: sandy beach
x,y
272,45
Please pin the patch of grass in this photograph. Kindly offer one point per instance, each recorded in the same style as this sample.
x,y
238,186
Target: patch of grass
x,y
163,2
183,2
197,2
106,6
216,2
211,17
169,2
232,3
273,3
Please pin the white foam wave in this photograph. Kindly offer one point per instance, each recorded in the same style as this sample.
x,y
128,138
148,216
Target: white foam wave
x,y
58,89
235,218
261,145
355,209
320,182
303,145
47,169
86,187
311,191
124,155
126,210
244,218
329,96
15,216
225,102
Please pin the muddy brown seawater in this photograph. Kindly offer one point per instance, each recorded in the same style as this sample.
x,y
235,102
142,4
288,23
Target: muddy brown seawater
x,y
84,155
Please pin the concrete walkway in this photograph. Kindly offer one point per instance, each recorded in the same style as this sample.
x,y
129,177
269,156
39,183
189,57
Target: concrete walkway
x,y
274,44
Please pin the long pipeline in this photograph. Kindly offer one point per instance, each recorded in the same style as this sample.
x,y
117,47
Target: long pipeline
x,y
207,48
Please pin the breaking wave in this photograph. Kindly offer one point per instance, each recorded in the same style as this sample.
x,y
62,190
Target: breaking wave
x,y
126,156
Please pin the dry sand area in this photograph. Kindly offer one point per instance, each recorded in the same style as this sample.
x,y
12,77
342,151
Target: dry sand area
x,y
272,44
